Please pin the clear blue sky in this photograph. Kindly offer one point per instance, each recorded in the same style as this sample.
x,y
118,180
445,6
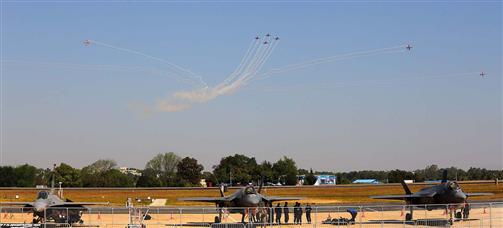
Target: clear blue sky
x,y
78,114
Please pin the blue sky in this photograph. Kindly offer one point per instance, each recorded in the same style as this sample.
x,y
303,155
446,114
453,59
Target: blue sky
x,y
320,115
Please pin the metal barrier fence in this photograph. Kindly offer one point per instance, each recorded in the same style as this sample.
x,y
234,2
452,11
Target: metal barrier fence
x,y
480,215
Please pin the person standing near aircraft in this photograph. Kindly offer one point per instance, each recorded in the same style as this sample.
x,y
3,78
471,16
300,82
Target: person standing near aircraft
x,y
299,215
278,211
308,213
286,211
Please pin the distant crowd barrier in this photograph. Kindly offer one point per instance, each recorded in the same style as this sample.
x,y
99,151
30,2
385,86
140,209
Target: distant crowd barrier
x,y
479,215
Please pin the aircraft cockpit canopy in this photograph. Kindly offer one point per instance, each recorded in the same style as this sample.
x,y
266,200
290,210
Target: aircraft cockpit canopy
x,y
453,185
250,190
42,195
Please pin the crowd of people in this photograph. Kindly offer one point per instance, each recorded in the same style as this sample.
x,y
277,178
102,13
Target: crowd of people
x,y
281,213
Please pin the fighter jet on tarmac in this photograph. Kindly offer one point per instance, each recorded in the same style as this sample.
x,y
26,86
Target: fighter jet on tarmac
x,y
50,207
246,197
435,197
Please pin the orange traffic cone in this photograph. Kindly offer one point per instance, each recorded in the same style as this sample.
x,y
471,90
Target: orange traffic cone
x,y
401,212
99,215
363,214
484,212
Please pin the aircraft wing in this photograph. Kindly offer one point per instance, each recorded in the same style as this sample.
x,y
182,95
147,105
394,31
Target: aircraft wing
x,y
206,199
479,194
280,198
27,204
77,204
400,197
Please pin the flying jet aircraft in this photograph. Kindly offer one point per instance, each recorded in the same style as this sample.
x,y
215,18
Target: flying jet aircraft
x,y
482,74
408,47
434,197
48,206
246,197
86,42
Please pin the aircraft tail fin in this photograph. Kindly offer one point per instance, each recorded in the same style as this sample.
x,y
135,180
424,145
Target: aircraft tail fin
x,y
444,176
53,176
222,190
261,184
406,188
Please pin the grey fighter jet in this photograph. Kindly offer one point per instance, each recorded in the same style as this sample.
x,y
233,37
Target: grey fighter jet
x,y
48,206
434,197
237,202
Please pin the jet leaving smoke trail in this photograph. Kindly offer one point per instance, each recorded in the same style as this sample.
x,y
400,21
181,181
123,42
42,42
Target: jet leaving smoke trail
x,y
317,61
252,62
257,57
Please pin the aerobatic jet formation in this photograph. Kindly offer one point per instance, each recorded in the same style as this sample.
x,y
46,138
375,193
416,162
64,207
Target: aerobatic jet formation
x,y
435,197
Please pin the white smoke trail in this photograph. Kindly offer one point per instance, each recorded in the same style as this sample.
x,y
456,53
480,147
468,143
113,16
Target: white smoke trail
x,y
357,83
263,61
249,68
251,63
317,61
100,67
175,68
244,60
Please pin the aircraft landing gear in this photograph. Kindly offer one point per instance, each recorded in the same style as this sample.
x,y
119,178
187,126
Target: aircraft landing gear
x,y
408,216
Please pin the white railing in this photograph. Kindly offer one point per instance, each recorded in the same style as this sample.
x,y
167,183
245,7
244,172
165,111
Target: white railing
x,y
480,215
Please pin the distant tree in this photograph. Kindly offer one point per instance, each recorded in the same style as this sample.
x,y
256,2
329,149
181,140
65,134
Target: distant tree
x,y
302,172
164,164
265,171
431,172
310,178
102,165
7,176
115,178
94,175
69,176
189,172
240,168
26,175
396,176
148,178
287,169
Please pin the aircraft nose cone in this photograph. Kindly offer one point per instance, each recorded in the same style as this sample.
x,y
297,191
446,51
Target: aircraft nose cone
x,y
461,196
39,206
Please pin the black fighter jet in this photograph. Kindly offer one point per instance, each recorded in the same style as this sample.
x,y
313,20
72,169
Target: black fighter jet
x,y
434,197
237,202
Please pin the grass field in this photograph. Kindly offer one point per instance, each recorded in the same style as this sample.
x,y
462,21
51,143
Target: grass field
x,y
341,194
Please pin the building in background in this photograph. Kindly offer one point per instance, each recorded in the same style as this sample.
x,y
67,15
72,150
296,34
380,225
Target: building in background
x,y
366,181
326,180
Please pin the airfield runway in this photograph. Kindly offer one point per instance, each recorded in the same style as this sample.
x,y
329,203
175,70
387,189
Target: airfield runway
x,y
371,217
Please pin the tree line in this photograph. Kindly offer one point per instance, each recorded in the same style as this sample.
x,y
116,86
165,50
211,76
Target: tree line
x,y
170,170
